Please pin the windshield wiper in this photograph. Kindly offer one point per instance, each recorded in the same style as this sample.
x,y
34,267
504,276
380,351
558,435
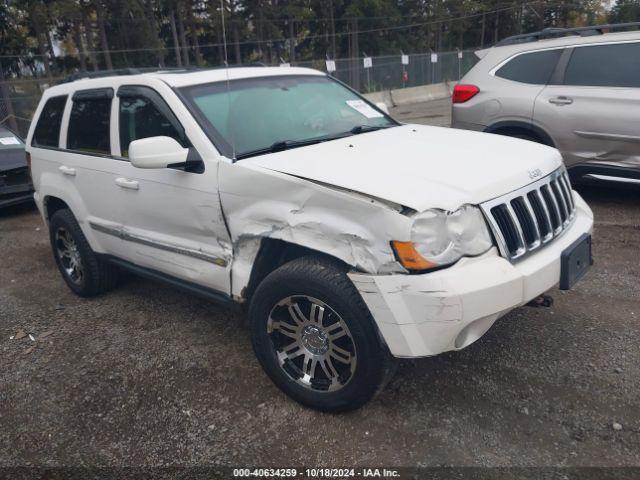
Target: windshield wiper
x,y
367,128
282,145
278,146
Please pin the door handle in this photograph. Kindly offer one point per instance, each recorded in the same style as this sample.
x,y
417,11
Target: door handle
x,y
67,170
126,183
561,101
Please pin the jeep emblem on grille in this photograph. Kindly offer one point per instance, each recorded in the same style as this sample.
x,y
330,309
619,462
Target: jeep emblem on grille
x,y
535,173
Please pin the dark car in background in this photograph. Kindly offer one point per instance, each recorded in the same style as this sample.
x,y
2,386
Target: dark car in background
x,y
15,181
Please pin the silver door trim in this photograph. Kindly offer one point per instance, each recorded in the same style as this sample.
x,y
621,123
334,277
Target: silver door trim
x,y
129,237
608,136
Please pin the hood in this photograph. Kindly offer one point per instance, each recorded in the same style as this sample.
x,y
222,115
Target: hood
x,y
420,167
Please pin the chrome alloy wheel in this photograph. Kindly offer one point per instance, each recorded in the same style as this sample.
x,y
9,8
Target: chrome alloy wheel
x,y
312,343
69,255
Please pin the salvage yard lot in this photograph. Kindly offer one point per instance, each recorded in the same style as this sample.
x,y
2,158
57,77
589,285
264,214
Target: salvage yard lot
x,y
146,375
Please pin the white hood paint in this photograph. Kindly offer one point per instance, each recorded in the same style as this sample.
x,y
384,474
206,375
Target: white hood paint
x,y
418,166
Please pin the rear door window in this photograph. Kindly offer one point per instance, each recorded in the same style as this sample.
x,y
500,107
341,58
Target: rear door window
x,y
89,122
47,132
614,65
534,68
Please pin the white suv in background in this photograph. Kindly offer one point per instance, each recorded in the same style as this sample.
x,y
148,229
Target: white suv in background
x,y
579,93
352,239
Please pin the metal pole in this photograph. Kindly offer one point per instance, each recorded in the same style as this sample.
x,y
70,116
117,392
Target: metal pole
x,y
433,70
404,70
6,99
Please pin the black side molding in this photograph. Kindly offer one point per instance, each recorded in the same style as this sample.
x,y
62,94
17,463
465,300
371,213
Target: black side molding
x,y
581,169
204,292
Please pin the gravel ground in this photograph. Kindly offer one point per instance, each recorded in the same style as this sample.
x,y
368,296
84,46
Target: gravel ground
x,y
149,376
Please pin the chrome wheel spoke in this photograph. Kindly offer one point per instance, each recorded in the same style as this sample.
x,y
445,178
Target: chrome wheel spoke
x,y
317,313
79,272
340,354
296,314
293,350
67,241
309,365
328,369
336,331
288,330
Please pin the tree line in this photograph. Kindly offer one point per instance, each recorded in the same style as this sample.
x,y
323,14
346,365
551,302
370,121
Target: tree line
x,y
42,41
52,37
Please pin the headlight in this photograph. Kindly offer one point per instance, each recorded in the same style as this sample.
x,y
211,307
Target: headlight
x,y
441,238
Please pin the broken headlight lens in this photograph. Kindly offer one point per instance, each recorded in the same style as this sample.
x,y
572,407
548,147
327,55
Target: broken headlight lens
x,y
444,237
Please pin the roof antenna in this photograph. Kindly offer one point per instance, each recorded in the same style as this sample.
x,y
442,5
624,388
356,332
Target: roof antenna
x,y
226,69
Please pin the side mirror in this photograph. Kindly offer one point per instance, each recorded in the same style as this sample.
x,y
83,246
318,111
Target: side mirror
x,y
383,106
156,152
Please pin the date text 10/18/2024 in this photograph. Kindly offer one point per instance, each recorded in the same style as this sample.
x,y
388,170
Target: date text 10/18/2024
x,y
315,473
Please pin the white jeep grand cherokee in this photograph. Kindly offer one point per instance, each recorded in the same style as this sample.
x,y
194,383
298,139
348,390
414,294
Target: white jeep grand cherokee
x,y
353,239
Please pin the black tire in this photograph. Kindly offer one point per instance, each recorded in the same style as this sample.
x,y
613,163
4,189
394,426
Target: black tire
x,y
98,276
326,281
522,136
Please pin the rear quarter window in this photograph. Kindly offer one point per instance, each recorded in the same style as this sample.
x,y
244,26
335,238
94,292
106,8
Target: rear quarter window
x,y
616,65
47,132
534,68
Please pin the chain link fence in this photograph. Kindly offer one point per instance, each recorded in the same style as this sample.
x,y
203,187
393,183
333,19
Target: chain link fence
x,y
387,72
19,99
19,96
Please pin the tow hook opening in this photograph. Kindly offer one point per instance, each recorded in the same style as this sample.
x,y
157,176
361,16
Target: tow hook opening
x,y
543,300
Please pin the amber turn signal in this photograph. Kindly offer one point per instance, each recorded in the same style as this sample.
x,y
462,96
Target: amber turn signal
x,y
408,256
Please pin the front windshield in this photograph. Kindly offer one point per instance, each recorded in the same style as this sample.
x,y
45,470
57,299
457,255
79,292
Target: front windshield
x,y
254,114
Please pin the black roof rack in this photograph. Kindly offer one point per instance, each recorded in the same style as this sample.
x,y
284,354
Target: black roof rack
x,y
239,65
137,71
122,71
563,32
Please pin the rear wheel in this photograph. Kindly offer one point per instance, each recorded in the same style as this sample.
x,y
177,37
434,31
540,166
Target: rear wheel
x,y
82,270
521,134
315,337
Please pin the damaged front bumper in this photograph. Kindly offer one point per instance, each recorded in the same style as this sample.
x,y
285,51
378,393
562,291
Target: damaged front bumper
x,y
427,314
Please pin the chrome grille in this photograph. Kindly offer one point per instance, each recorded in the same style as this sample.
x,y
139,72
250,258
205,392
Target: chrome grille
x,y
528,218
